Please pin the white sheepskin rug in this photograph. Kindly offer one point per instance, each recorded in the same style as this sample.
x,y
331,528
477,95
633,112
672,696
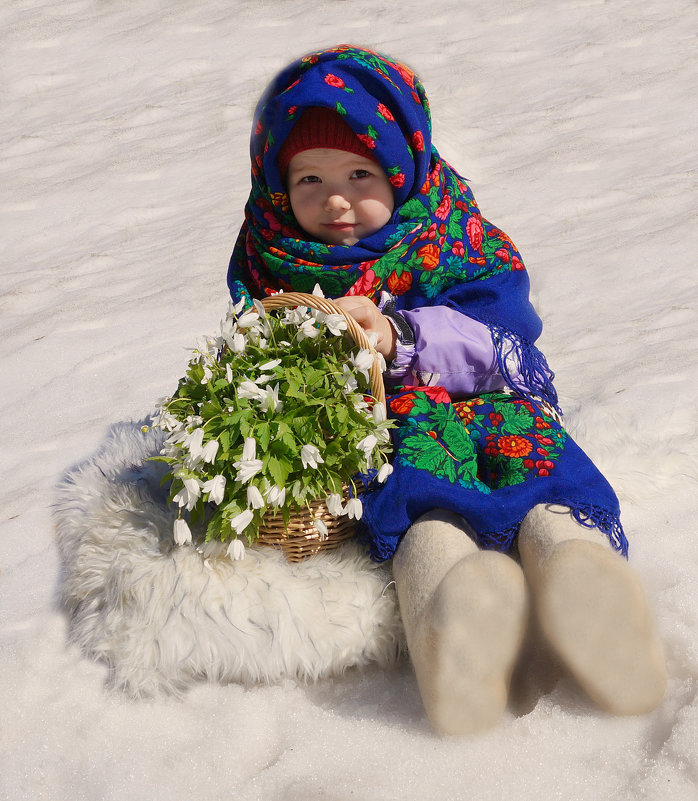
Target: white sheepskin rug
x,y
163,616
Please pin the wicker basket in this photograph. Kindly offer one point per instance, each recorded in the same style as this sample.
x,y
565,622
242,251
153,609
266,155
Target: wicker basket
x,y
300,539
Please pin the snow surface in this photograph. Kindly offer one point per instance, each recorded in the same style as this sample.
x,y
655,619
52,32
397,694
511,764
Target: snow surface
x,y
123,176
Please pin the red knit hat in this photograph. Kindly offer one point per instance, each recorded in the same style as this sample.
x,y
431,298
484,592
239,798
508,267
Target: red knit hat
x,y
320,127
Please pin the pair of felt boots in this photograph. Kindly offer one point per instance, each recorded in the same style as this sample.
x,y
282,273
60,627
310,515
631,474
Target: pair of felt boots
x,y
465,613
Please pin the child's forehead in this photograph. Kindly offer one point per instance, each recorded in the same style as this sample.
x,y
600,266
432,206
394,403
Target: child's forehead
x,y
320,157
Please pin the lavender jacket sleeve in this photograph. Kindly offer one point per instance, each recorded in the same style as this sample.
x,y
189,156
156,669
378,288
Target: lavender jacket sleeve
x,y
451,350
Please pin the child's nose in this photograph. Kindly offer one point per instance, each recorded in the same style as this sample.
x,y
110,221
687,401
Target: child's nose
x,y
336,201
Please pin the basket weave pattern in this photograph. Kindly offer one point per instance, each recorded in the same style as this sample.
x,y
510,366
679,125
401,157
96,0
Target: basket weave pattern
x,y
300,538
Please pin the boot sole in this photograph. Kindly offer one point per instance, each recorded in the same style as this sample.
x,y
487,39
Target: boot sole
x,y
593,611
470,638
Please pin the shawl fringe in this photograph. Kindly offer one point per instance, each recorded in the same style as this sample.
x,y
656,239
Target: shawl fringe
x,y
535,379
591,516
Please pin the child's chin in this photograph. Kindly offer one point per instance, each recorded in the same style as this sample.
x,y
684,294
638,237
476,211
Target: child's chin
x,y
342,240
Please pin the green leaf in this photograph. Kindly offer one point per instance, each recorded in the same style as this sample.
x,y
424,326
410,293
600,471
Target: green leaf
x,y
455,229
426,453
279,468
517,419
224,439
262,435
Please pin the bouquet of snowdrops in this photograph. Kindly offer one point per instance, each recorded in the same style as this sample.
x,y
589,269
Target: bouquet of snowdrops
x,y
271,415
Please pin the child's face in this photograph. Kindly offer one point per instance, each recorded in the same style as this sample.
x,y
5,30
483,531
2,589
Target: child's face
x,y
338,197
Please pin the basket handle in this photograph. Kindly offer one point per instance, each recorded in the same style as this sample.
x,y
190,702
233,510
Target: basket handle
x,y
355,331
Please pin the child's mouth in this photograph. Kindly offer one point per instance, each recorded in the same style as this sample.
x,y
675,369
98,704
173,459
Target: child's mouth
x,y
341,226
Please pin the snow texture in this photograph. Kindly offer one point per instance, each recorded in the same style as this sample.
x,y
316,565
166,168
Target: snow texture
x,y
124,172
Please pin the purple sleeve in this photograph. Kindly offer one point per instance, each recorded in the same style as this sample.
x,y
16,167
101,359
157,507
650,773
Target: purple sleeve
x,y
451,350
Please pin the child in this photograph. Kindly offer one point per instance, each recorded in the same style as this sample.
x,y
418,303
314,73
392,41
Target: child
x,y
348,192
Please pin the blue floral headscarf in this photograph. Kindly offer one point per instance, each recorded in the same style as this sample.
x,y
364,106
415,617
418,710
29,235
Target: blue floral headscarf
x,y
436,248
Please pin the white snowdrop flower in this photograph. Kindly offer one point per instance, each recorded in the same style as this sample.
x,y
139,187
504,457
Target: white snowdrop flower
x,y
237,307
169,422
271,399
383,435
317,315
261,311
308,330
379,413
248,389
240,522
192,488
247,469
236,550
177,438
334,504
354,508
170,449
208,454
363,360
249,448
182,532
203,346
336,323
321,527
384,472
359,403
181,498
294,316
284,344
194,442
310,456
238,343
270,365
215,487
192,460
382,366
276,496
350,383
248,466
367,444
228,327
317,291
248,319
254,497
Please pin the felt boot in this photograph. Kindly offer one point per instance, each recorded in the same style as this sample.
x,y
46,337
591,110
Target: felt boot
x,y
593,611
464,612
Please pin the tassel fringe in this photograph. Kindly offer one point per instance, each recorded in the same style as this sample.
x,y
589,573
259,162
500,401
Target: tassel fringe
x,y
535,378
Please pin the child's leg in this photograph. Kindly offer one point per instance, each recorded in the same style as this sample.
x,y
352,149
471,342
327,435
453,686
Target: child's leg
x,y
593,611
464,612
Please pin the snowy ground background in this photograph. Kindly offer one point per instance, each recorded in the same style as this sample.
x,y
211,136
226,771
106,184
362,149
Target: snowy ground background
x,y
122,180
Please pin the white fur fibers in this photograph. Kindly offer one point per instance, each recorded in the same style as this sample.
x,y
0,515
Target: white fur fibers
x,y
163,616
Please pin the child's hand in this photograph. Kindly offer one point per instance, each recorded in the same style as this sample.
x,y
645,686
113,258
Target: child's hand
x,y
369,318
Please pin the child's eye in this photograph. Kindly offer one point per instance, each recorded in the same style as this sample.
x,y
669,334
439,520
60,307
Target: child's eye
x,y
360,174
309,179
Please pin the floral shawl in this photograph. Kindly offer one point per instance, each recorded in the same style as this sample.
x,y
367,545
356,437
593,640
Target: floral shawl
x,y
490,459
436,249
